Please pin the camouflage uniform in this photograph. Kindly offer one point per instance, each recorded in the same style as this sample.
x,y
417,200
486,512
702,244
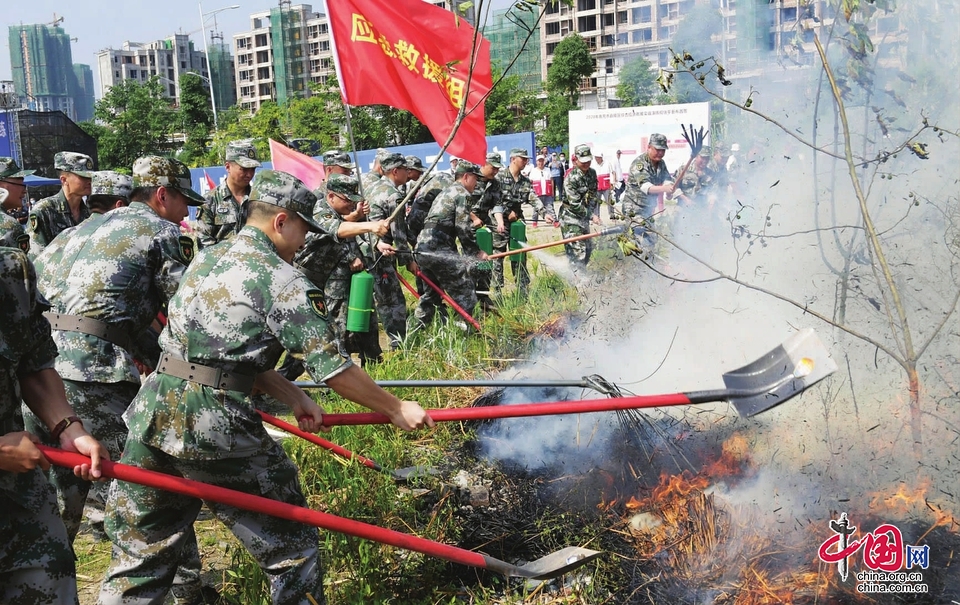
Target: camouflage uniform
x,y
513,194
636,203
486,197
10,170
325,259
447,222
219,217
580,203
51,215
369,179
391,305
11,233
422,201
36,561
238,307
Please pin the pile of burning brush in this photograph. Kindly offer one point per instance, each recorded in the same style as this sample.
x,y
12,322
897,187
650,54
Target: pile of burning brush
x,y
694,545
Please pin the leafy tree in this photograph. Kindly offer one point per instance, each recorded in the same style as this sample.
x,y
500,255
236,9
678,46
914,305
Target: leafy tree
x,y
571,64
509,108
196,117
638,82
557,114
137,120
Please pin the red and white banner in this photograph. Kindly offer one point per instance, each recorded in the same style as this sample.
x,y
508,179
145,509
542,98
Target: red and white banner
x,y
300,165
415,56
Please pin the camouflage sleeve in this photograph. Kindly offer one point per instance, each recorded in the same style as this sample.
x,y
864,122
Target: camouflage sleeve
x,y
173,252
464,226
299,320
205,225
572,187
38,228
26,332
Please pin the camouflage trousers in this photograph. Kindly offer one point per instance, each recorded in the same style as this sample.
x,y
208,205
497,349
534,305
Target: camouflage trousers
x,y
453,278
36,561
101,407
637,212
150,528
571,226
366,344
390,303
518,263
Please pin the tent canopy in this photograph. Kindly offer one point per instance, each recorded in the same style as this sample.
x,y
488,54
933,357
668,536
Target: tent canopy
x,y
39,181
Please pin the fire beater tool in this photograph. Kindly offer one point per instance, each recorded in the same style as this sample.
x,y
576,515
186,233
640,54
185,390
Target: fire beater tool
x,y
695,140
784,372
604,232
446,298
545,568
587,382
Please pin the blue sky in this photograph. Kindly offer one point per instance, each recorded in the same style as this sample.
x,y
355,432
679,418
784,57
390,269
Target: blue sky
x,y
99,24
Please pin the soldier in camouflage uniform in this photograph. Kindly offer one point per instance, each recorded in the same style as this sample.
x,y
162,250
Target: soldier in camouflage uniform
x,y
109,190
36,561
11,233
219,217
515,190
423,199
331,257
107,279
369,179
337,162
393,247
447,222
580,205
486,197
51,215
647,179
238,307
11,180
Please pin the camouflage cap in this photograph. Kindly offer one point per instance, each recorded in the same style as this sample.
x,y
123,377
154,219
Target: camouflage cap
x,y
113,184
519,152
494,159
657,141
391,161
706,152
347,186
582,153
155,171
79,164
465,167
10,170
336,157
382,153
242,153
414,163
285,191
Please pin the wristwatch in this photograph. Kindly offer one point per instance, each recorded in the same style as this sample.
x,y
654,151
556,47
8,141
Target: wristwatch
x,y
62,426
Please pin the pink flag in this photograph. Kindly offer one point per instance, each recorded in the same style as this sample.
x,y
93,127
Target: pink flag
x,y
300,165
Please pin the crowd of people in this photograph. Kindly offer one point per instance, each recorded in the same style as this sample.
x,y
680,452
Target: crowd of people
x,y
127,337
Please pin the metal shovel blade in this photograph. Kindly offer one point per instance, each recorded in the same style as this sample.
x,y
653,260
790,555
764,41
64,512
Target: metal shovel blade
x,y
545,568
787,370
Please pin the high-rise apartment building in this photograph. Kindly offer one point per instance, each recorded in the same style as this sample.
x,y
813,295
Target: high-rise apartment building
x,y
515,35
756,37
167,59
286,48
43,71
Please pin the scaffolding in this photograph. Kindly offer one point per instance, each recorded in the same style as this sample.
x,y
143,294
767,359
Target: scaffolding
x,y
286,33
507,31
44,133
220,64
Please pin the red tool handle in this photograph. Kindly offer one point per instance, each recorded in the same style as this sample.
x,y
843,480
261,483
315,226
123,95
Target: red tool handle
x,y
266,506
583,406
408,286
449,300
327,445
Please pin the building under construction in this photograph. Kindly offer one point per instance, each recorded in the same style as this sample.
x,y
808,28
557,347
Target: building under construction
x,y
515,34
44,74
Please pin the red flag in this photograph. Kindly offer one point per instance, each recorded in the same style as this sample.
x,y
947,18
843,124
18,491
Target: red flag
x,y
300,165
412,55
210,184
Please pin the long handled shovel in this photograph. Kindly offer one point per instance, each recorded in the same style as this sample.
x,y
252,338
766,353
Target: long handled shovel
x,y
550,566
584,383
784,372
577,238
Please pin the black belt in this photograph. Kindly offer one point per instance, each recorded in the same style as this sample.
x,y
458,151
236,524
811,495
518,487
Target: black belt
x,y
112,333
217,378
